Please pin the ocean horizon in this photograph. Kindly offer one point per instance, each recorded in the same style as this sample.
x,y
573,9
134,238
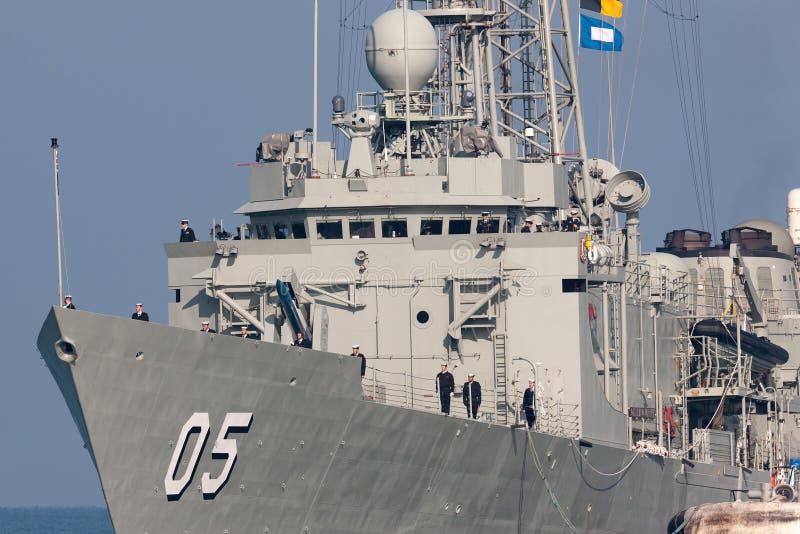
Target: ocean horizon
x,y
55,520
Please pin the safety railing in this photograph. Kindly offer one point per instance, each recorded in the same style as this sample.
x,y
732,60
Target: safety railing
x,y
659,284
397,388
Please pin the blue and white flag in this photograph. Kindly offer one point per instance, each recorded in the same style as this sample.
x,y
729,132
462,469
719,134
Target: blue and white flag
x,y
599,35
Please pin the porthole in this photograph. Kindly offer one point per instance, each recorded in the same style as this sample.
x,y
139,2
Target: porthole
x,y
423,318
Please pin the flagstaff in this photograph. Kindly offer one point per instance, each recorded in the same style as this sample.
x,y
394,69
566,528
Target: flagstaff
x,y
54,146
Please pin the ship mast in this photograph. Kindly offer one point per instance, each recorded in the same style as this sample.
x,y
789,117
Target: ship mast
x,y
54,146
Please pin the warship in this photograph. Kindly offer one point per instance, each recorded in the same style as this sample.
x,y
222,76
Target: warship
x,y
459,221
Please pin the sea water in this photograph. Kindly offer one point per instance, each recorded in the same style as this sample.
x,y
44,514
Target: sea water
x,y
55,521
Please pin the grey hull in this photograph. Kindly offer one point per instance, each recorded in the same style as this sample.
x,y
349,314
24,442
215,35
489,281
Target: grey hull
x,y
319,457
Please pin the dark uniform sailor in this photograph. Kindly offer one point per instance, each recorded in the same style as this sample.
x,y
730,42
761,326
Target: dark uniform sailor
x,y
301,341
573,222
140,315
529,403
445,385
68,303
472,396
357,354
484,225
204,328
187,234
248,335
528,224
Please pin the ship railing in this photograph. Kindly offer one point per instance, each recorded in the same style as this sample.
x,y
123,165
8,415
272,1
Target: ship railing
x,y
720,301
424,102
656,284
401,388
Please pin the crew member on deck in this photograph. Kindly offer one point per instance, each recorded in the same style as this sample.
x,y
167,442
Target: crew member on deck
x,y
528,224
484,225
204,328
248,335
301,341
140,315
529,403
573,222
357,354
68,303
472,396
445,385
187,234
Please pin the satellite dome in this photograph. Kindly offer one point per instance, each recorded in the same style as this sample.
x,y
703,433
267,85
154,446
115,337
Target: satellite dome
x,y
780,237
384,50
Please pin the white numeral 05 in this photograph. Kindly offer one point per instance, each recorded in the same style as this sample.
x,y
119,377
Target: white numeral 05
x,y
223,448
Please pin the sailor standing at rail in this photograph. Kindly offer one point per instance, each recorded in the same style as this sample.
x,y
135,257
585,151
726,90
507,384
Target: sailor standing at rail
x,y
528,224
187,234
357,354
484,225
68,303
204,328
140,315
472,396
445,385
529,403
301,341
573,222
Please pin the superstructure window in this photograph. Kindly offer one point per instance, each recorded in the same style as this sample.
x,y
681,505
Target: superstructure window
x,y
299,230
430,227
281,231
262,232
573,285
362,229
329,230
394,228
459,226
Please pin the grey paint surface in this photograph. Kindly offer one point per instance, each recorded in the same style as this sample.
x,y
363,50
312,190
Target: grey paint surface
x,y
319,456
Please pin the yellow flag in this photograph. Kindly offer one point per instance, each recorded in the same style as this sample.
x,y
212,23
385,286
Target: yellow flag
x,y
611,8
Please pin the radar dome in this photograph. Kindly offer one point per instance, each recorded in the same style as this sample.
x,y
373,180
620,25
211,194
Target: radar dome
x,y
780,237
384,50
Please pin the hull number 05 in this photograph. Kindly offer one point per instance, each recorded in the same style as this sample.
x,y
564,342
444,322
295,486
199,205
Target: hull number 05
x,y
224,447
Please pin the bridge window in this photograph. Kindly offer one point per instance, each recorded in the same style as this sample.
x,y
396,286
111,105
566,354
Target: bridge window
x,y
329,230
394,228
459,226
262,232
362,229
281,231
430,227
299,230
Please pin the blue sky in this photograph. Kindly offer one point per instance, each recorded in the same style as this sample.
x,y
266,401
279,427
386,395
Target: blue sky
x,y
154,102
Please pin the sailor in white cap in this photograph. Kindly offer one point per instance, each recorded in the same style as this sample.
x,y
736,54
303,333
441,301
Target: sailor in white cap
x,y
187,234
140,315
573,222
484,225
528,224
471,394
205,328
445,385
357,354
68,303
529,403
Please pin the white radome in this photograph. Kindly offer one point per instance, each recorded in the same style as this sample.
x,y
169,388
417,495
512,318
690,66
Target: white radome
x,y
385,55
793,215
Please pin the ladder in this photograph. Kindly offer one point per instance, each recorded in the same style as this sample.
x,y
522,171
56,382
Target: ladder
x,y
500,378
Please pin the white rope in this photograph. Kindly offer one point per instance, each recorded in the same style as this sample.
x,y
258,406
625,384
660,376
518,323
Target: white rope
x,y
593,468
553,498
